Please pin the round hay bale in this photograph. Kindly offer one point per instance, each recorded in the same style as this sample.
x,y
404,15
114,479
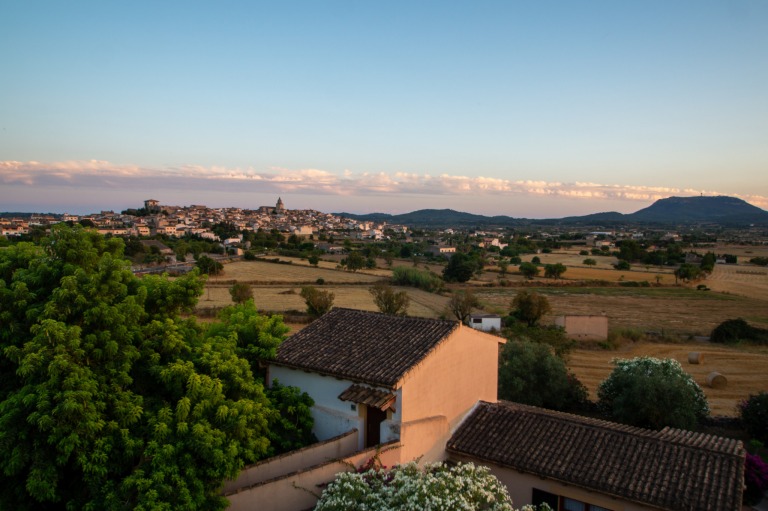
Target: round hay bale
x,y
716,380
695,357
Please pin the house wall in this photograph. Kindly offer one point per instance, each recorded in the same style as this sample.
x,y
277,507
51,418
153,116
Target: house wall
x,y
448,383
294,461
486,324
584,327
301,489
520,487
331,415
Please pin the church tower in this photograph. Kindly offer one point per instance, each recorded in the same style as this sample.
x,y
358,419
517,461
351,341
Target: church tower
x,y
279,207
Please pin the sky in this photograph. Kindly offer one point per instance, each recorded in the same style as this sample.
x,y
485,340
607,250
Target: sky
x,y
535,109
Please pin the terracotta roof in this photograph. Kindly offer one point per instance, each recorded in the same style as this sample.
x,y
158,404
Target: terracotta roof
x,y
367,347
368,396
670,469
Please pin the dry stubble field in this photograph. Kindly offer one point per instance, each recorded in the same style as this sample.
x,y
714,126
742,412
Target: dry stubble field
x,y
736,291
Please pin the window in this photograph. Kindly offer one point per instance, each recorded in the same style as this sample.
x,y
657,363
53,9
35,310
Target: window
x,y
558,503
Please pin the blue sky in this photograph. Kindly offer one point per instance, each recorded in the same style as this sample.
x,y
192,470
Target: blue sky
x,y
531,109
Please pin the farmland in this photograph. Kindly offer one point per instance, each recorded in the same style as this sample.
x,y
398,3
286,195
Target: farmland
x,y
667,312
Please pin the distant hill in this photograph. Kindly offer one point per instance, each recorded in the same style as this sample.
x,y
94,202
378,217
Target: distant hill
x,y
722,210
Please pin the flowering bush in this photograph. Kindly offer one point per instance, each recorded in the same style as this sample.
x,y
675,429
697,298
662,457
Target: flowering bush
x,y
755,479
462,487
652,393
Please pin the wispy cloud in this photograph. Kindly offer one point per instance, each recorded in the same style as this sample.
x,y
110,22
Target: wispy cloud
x,y
103,174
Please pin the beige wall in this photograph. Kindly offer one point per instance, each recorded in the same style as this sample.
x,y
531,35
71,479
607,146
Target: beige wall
x,y
584,327
460,371
302,489
520,487
294,461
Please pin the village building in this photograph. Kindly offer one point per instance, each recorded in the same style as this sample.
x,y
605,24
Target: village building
x,y
485,322
404,389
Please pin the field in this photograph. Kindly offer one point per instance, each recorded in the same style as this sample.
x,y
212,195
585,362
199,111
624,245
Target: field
x,y
668,312
744,370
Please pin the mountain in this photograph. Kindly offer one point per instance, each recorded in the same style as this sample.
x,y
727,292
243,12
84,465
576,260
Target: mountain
x,y
722,210
684,210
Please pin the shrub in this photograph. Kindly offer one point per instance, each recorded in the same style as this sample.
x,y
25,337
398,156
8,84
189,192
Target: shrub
x,y
732,331
529,306
318,302
755,479
241,292
390,301
436,486
754,414
422,279
652,393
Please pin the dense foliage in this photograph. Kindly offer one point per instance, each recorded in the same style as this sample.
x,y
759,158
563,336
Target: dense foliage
x,y
422,279
463,487
529,306
530,373
732,331
652,393
754,414
460,268
318,301
109,399
755,479
390,301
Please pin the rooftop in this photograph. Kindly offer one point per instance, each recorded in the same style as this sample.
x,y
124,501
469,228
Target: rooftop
x,y
367,347
670,469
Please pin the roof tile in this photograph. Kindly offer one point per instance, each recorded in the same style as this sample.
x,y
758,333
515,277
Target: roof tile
x,y
669,469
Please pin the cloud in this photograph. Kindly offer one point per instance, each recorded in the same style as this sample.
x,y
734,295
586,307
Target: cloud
x,y
106,175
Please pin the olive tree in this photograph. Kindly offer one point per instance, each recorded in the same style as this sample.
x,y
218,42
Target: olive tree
x,y
390,301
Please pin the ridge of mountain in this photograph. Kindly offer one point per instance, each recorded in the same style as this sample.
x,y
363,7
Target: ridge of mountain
x,y
720,210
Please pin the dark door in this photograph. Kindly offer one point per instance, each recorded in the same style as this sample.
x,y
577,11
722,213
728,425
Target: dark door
x,y
373,426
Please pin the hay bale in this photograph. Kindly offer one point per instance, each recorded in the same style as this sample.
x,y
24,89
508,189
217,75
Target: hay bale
x,y
716,380
695,357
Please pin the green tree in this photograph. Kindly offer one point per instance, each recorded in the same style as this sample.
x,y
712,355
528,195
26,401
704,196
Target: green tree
x,y
589,262
390,301
313,259
529,306
318,301
208,266
754,414
554,271
528,270
536,260
355,261
462,303
241,292
652,393
460,268
687,272
109,399
622,265
530,373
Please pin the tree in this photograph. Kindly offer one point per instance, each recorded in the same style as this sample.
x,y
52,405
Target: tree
x,y
687,272
462,303
754,414
241,292
536,260
652,393
622,265
108,397
390,301
529,306
732,331
529,270
435,486
503,267
313,259
530,373
460,268
589,262
554,271
318,301
355,261
208,266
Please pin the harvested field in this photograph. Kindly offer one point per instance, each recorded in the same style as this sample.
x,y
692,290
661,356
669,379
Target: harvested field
x,y
746,280
664,310
263,272
744,370
280,298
